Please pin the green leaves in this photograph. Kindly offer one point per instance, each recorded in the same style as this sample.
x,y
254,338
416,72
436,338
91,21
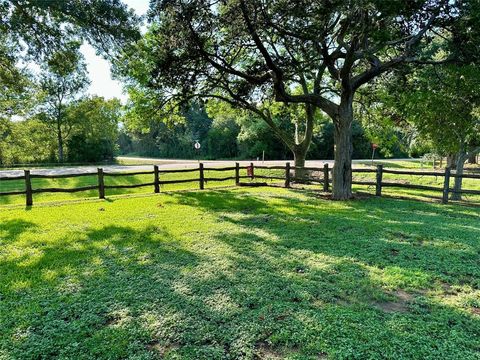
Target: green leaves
x,y
46,26
49,34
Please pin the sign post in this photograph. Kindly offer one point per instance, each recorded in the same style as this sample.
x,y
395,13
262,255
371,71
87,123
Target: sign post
x,y
374,147
197,147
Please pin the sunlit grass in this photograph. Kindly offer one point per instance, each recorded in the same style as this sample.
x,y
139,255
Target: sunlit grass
x,y
240,274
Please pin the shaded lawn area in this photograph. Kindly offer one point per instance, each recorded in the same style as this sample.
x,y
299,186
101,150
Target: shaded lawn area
x,y
240,274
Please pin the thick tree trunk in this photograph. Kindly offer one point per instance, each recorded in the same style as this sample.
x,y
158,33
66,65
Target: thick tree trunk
x,y
299,156
342,168
452,161
461,157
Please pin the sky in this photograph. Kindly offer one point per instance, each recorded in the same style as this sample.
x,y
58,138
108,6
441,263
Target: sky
x,y
101,82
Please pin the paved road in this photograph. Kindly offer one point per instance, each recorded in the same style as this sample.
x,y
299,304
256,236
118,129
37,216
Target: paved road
x,y
165,164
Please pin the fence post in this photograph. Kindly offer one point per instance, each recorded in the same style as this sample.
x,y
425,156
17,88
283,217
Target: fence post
x,y
101,184
326,176
237,174
446,186
202,177
253,173
156,180
28,188
378,187
287,175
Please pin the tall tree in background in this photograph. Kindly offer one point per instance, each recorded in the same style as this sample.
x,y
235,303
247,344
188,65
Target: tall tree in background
x,y
161,134
316,53
95,134
92,139
288,119
23,142
443,103
63,79
30,30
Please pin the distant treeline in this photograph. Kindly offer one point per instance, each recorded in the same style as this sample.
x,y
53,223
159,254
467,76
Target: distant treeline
x,y
96,130
234,138
90,128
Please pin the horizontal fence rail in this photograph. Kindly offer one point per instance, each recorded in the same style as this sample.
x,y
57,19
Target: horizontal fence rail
x,y
5,193
170,171
63,190
59,176
418,173
129,173
288,178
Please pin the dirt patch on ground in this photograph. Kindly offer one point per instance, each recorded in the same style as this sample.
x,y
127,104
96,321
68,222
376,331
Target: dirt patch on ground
x,y
264,351
400,304
161,350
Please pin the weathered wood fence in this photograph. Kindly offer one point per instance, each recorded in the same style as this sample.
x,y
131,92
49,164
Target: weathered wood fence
x,y
445,190
287,179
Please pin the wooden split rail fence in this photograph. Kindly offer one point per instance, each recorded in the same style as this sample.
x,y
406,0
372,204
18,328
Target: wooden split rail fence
x,y
287,179
445,190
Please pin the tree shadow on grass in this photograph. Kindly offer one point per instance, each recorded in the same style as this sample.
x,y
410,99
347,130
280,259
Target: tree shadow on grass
x,y
10,230
441,242
74,297
413,252
323,299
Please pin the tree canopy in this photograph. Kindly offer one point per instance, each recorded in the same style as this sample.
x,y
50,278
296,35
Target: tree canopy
x,y
252,53
38,26
92,137
441,103
63,79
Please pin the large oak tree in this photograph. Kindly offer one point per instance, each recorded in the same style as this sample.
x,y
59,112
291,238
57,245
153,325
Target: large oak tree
x,y
315,53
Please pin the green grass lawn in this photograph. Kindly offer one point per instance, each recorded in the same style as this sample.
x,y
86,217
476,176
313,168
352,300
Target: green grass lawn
x,y
19,185
405,164
139,160
262,273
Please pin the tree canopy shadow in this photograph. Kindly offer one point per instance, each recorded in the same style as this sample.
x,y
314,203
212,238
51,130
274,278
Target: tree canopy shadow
x,y
10,230
441,242
273,275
